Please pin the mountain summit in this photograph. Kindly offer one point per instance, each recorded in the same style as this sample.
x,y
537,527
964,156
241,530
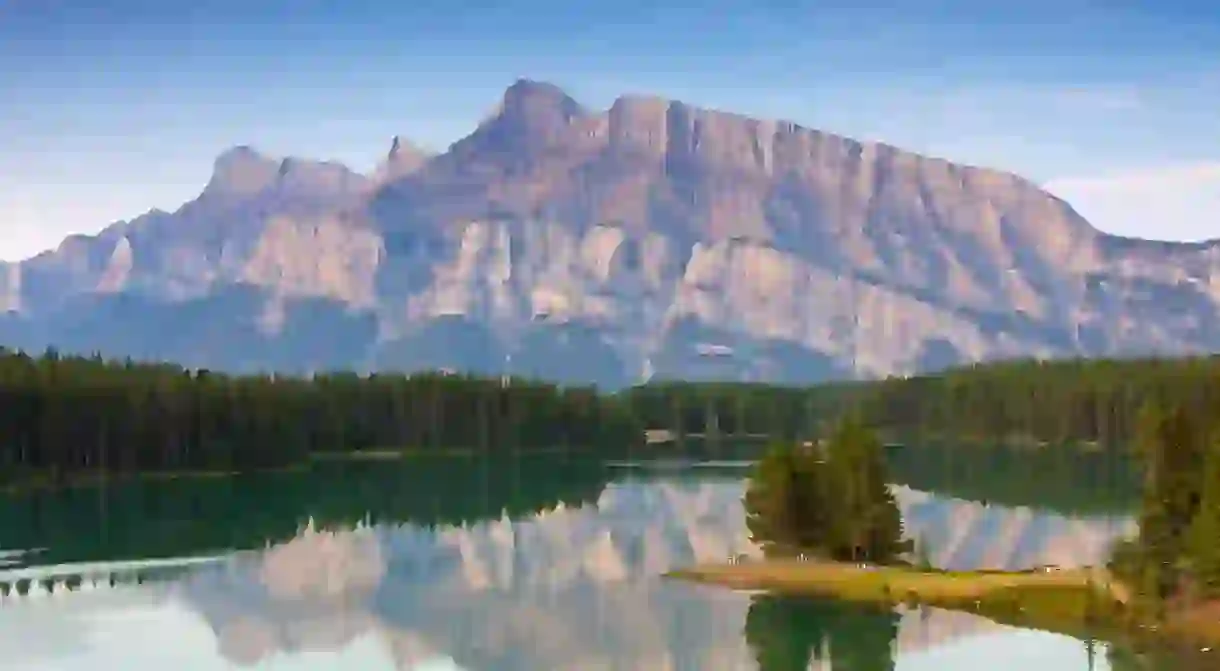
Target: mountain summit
x,y
611,245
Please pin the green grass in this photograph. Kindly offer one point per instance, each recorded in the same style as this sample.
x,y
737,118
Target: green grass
x,y
847,581
1080,602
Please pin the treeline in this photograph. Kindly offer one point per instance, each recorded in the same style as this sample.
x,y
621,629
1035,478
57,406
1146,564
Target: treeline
x,y
732,409
1021,402
1175,560
1083,400
65,415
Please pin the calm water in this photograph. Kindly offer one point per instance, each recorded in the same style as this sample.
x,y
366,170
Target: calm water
x,y
533,564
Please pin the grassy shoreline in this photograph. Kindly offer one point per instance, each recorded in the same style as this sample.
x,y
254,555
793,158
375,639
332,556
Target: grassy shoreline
x,y
1082,603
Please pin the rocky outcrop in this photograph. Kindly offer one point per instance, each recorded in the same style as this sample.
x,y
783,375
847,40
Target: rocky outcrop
x,y
657,227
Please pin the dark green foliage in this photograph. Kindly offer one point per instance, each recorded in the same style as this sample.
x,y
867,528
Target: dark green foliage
x,y
1203,536
785,504
1081,400
64,416
1177,553
831,500
742,408
866,520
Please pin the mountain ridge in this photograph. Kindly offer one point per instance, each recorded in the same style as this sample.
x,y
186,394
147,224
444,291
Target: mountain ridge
x,y
642,231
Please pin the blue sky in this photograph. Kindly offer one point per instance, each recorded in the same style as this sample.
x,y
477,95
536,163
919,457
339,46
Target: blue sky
x,y
111,108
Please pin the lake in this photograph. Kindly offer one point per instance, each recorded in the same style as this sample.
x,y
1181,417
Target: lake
x,y
536,563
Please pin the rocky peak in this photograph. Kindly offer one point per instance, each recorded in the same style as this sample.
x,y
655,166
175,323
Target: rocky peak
x,y
530,114
317,177
242,170
526,97
401,160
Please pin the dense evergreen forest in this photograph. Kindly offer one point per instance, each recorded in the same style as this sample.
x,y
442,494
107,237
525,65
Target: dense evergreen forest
x,y
1021,403
66,415
707,409
1081,400
61,416
1174,563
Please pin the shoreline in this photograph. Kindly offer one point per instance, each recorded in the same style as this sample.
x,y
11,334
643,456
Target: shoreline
x,y
1079,602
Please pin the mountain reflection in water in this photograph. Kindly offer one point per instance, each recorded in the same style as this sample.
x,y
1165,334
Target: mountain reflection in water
x,y
566,586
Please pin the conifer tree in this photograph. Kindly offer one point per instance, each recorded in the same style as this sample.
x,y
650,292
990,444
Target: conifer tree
x,y
1203,537
868,522
772,503
832,500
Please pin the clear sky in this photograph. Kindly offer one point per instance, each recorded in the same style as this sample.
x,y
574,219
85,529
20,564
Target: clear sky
x,y
108,109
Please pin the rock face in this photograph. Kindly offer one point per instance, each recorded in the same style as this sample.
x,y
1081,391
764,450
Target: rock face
x,y
613,245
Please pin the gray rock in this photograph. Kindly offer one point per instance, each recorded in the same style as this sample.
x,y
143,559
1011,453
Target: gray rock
x,y
649,232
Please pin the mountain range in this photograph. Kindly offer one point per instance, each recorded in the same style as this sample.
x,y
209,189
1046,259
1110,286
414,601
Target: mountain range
x,y
651,239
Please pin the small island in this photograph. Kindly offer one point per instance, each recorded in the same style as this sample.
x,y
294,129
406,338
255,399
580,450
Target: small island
x,y
829,527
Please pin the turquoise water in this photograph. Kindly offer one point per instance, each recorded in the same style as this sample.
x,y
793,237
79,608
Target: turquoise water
x,y
530,564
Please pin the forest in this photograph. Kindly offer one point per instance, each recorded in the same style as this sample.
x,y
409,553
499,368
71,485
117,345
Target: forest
x,y
1037,402
1174,562
62,416
1021,403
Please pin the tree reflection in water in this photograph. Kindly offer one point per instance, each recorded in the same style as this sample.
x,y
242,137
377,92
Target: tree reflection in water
x,y
788,633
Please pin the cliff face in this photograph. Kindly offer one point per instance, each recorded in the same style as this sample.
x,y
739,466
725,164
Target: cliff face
x,y
610,245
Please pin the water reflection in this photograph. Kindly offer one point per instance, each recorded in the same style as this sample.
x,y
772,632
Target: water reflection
x,y
787,634
577,588
573,585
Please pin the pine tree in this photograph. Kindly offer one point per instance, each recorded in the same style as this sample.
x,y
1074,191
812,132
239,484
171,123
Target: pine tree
x,y
1203,537
869,523
771,501
1172,446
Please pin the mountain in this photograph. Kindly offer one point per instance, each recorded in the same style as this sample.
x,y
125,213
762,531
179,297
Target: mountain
x,y
609,246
